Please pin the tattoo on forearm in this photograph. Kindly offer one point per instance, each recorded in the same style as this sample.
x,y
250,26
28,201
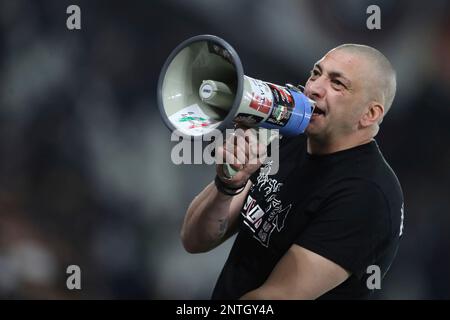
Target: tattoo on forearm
x,y
223,224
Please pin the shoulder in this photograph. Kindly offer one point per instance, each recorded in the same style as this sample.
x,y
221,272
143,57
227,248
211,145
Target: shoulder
x,y
381,174
371,172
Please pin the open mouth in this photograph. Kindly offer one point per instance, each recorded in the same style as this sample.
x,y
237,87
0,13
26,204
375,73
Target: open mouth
x,y
318,112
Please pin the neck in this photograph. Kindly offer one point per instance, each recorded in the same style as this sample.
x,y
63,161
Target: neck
x,y
317,146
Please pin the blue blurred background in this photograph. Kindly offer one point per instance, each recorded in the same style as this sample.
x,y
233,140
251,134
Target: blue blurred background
x,y
85,170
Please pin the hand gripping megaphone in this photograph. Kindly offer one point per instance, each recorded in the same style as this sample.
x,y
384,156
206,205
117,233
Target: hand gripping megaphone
x,y
202,88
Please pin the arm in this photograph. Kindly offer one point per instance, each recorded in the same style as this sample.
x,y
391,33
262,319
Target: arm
x,y
300,274
211,219
212,216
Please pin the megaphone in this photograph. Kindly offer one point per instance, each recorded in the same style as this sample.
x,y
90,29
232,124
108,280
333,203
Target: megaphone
x,y
202,88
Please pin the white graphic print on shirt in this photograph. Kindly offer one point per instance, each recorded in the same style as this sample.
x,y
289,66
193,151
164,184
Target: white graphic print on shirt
x,y
264,218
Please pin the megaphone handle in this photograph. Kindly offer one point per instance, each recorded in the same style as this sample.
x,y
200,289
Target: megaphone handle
x,y
230,172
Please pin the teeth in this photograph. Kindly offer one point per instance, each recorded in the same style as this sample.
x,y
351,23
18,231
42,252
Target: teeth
x,y
319,113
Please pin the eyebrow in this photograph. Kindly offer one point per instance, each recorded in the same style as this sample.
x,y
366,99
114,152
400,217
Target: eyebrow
x,y
334,74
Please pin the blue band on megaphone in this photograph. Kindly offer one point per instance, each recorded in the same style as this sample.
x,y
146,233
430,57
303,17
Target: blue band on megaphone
x,y
296,121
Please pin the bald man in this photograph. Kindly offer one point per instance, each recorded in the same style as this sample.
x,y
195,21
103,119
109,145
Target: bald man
x,y
327,225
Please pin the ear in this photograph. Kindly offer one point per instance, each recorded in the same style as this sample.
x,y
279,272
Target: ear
x,y
373,115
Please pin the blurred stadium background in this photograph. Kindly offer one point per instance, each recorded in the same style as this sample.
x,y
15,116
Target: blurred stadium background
x,y
85,170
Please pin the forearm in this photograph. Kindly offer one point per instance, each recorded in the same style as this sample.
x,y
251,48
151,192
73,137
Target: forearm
x,y
207,220
252,295
211,217
264,293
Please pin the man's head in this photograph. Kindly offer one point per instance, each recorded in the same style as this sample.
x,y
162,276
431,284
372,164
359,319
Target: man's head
x,y
354,86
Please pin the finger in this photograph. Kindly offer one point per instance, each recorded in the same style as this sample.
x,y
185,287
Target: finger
x,y
261,152
241,150
252,142
235,144
241,142
232,160
258,149
223,155
220,155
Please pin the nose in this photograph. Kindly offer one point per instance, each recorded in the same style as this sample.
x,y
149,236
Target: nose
x,y
315,89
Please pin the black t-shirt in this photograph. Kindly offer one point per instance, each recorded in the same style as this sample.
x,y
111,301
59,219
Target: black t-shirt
x,y
345,206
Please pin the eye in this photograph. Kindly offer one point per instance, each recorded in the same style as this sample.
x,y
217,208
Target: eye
x,y
338,85
315,73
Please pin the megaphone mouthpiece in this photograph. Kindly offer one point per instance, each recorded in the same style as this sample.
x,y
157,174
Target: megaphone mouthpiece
x,y
216,93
